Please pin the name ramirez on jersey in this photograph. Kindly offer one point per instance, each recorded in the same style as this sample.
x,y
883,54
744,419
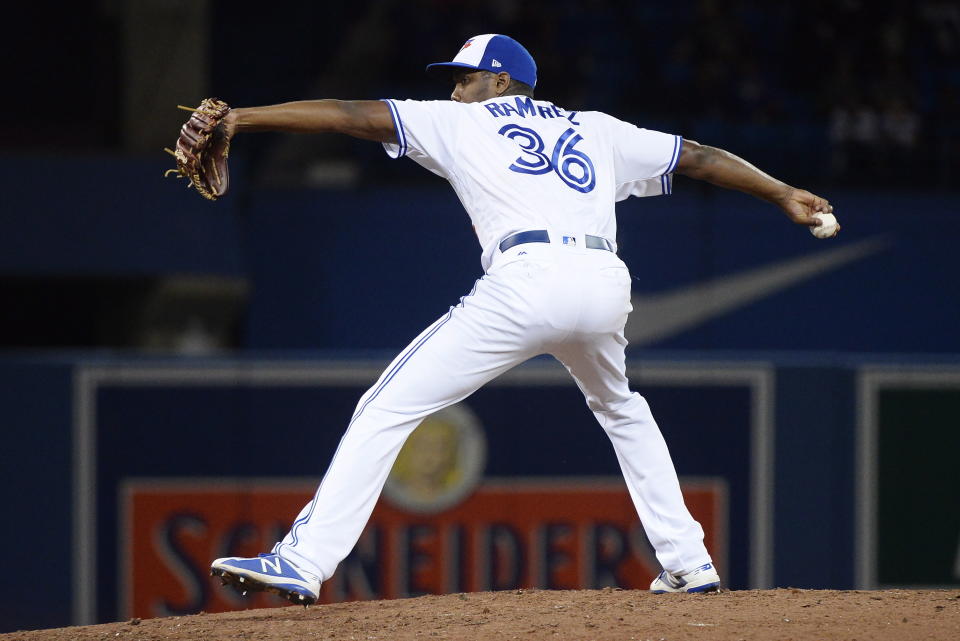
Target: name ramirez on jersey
x,y
524,106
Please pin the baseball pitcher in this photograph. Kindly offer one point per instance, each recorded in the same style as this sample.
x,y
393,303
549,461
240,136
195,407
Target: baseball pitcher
x,y
540,184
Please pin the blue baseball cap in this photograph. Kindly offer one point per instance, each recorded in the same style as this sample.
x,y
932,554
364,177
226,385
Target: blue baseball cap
x,y
496,53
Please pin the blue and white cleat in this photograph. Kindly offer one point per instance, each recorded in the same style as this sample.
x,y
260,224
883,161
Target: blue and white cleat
x,y
703,579
270,573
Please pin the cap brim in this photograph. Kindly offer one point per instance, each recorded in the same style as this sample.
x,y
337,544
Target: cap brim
x,y
440,67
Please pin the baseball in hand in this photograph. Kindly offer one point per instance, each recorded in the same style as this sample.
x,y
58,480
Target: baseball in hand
x,y
828,225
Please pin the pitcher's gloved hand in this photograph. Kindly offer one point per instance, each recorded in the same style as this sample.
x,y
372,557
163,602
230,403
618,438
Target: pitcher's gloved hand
x,y
202,149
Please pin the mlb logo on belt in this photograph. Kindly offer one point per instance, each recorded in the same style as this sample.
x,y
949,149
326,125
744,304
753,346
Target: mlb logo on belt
x,y
570,240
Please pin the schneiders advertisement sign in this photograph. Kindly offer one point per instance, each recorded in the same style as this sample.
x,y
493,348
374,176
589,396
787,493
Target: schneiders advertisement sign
x,y
439,528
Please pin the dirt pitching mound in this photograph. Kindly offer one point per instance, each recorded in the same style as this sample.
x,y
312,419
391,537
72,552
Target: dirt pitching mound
x,y
755,615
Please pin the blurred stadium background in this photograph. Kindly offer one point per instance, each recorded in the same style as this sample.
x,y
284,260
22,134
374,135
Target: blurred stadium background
x,y
810,390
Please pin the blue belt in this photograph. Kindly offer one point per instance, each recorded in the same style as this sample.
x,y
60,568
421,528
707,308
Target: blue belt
x,y
541,236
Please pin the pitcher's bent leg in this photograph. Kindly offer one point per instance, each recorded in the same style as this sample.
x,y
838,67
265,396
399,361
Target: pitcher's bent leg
x,y
599,370
442,366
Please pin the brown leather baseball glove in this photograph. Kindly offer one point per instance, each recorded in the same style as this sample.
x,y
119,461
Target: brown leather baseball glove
x,y
202,149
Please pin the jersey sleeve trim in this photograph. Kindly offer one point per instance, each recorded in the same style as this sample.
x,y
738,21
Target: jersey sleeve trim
x,y
666,184
401,146
675,158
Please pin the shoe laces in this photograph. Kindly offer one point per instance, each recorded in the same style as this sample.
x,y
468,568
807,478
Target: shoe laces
x,y
672,580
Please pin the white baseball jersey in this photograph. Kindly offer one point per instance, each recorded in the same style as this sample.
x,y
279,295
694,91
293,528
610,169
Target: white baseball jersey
x,y
517,163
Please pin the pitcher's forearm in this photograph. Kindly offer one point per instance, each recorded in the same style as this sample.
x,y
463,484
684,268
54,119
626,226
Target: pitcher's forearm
x,y
367,119
727,170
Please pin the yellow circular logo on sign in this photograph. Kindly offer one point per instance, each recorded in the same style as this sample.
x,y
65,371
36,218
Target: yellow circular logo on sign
x,y
441,462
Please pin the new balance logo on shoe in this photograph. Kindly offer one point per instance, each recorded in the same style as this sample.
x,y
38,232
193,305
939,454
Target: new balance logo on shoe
x,y
265,562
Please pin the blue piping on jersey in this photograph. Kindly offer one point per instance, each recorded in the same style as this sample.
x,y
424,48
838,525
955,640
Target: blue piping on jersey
x,y
667,184
677,146
376,392
398,126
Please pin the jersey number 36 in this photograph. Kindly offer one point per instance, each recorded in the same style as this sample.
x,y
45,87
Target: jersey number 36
x,y
574,167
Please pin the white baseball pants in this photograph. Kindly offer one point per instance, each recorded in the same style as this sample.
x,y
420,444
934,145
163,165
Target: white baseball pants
x,y
536,298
